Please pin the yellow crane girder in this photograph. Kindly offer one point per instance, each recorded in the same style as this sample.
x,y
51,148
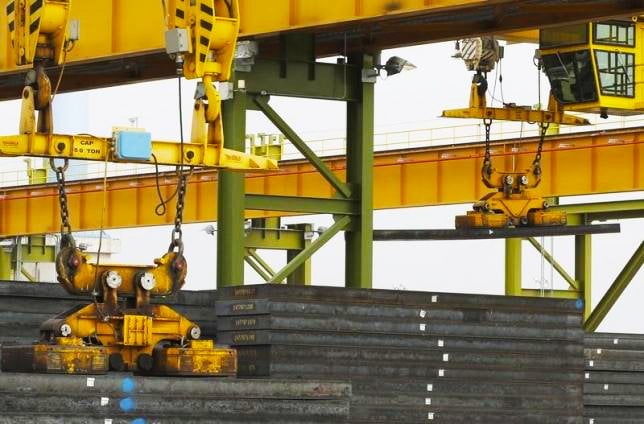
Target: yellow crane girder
x,y
574,164
122,41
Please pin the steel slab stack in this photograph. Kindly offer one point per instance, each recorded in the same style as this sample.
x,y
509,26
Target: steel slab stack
x,y
614,378
121,398
415,356
24,306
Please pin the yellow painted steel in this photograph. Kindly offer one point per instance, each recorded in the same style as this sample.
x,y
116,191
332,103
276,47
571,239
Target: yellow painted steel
x,y
128,27
136,27
37,29
88,147
615,70
586,163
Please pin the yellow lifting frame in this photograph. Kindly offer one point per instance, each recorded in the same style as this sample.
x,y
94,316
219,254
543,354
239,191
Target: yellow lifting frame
x,y
88,147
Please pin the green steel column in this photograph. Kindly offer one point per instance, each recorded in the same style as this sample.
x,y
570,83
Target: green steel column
x,y
302,274
359,237
616,289
6,268
230,211
513,267
583,269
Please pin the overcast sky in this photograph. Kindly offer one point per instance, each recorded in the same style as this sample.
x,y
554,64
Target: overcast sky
x,y
411,100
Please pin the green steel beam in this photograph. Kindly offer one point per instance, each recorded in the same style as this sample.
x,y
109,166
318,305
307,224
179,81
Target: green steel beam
x,y
28,275
258,269
583,269
601,211
360,128
315,245
513,267
547,256
307,205
258,264
291,135
307,79
560,294
302,274
274,239
230,213
616,289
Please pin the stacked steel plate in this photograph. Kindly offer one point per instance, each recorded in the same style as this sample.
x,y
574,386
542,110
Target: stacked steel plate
x,y
614,378
121,398
415,356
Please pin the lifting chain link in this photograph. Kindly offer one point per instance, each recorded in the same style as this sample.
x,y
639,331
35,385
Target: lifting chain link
x,y
177,232
65,226
543,127
487,161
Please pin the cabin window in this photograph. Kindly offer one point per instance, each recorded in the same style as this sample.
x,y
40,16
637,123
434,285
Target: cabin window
x,y
616,73
568,35
615,33
571,76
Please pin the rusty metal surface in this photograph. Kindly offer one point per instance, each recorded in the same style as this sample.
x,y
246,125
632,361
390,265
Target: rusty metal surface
x,y
415,356
492,233
124,398
614,378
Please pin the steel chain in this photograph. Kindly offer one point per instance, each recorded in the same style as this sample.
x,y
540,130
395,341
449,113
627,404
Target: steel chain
x,y
487,161
537,158
65,226
177,232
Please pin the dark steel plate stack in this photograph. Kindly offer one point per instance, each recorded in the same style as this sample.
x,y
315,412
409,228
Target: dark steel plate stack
x,y
415,356
24,306
121,398
614,378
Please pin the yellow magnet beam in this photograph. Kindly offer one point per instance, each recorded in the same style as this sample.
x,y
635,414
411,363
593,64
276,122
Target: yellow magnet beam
x,y
87,147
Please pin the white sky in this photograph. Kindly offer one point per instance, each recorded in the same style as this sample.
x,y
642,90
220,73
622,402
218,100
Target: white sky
x,y
412,100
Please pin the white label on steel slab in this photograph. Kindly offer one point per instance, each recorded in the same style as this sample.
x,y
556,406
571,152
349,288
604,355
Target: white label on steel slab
x,y
430,415
434,299
605,386
107,421
441,343
90,381
105,401
587,376
615,341
428,401
599,351
591,421
423,313
441,373
422,327
430,387
591,363
445,357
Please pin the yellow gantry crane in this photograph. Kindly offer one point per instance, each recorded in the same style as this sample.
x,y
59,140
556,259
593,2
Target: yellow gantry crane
x,y
121,329
514,203
592,67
